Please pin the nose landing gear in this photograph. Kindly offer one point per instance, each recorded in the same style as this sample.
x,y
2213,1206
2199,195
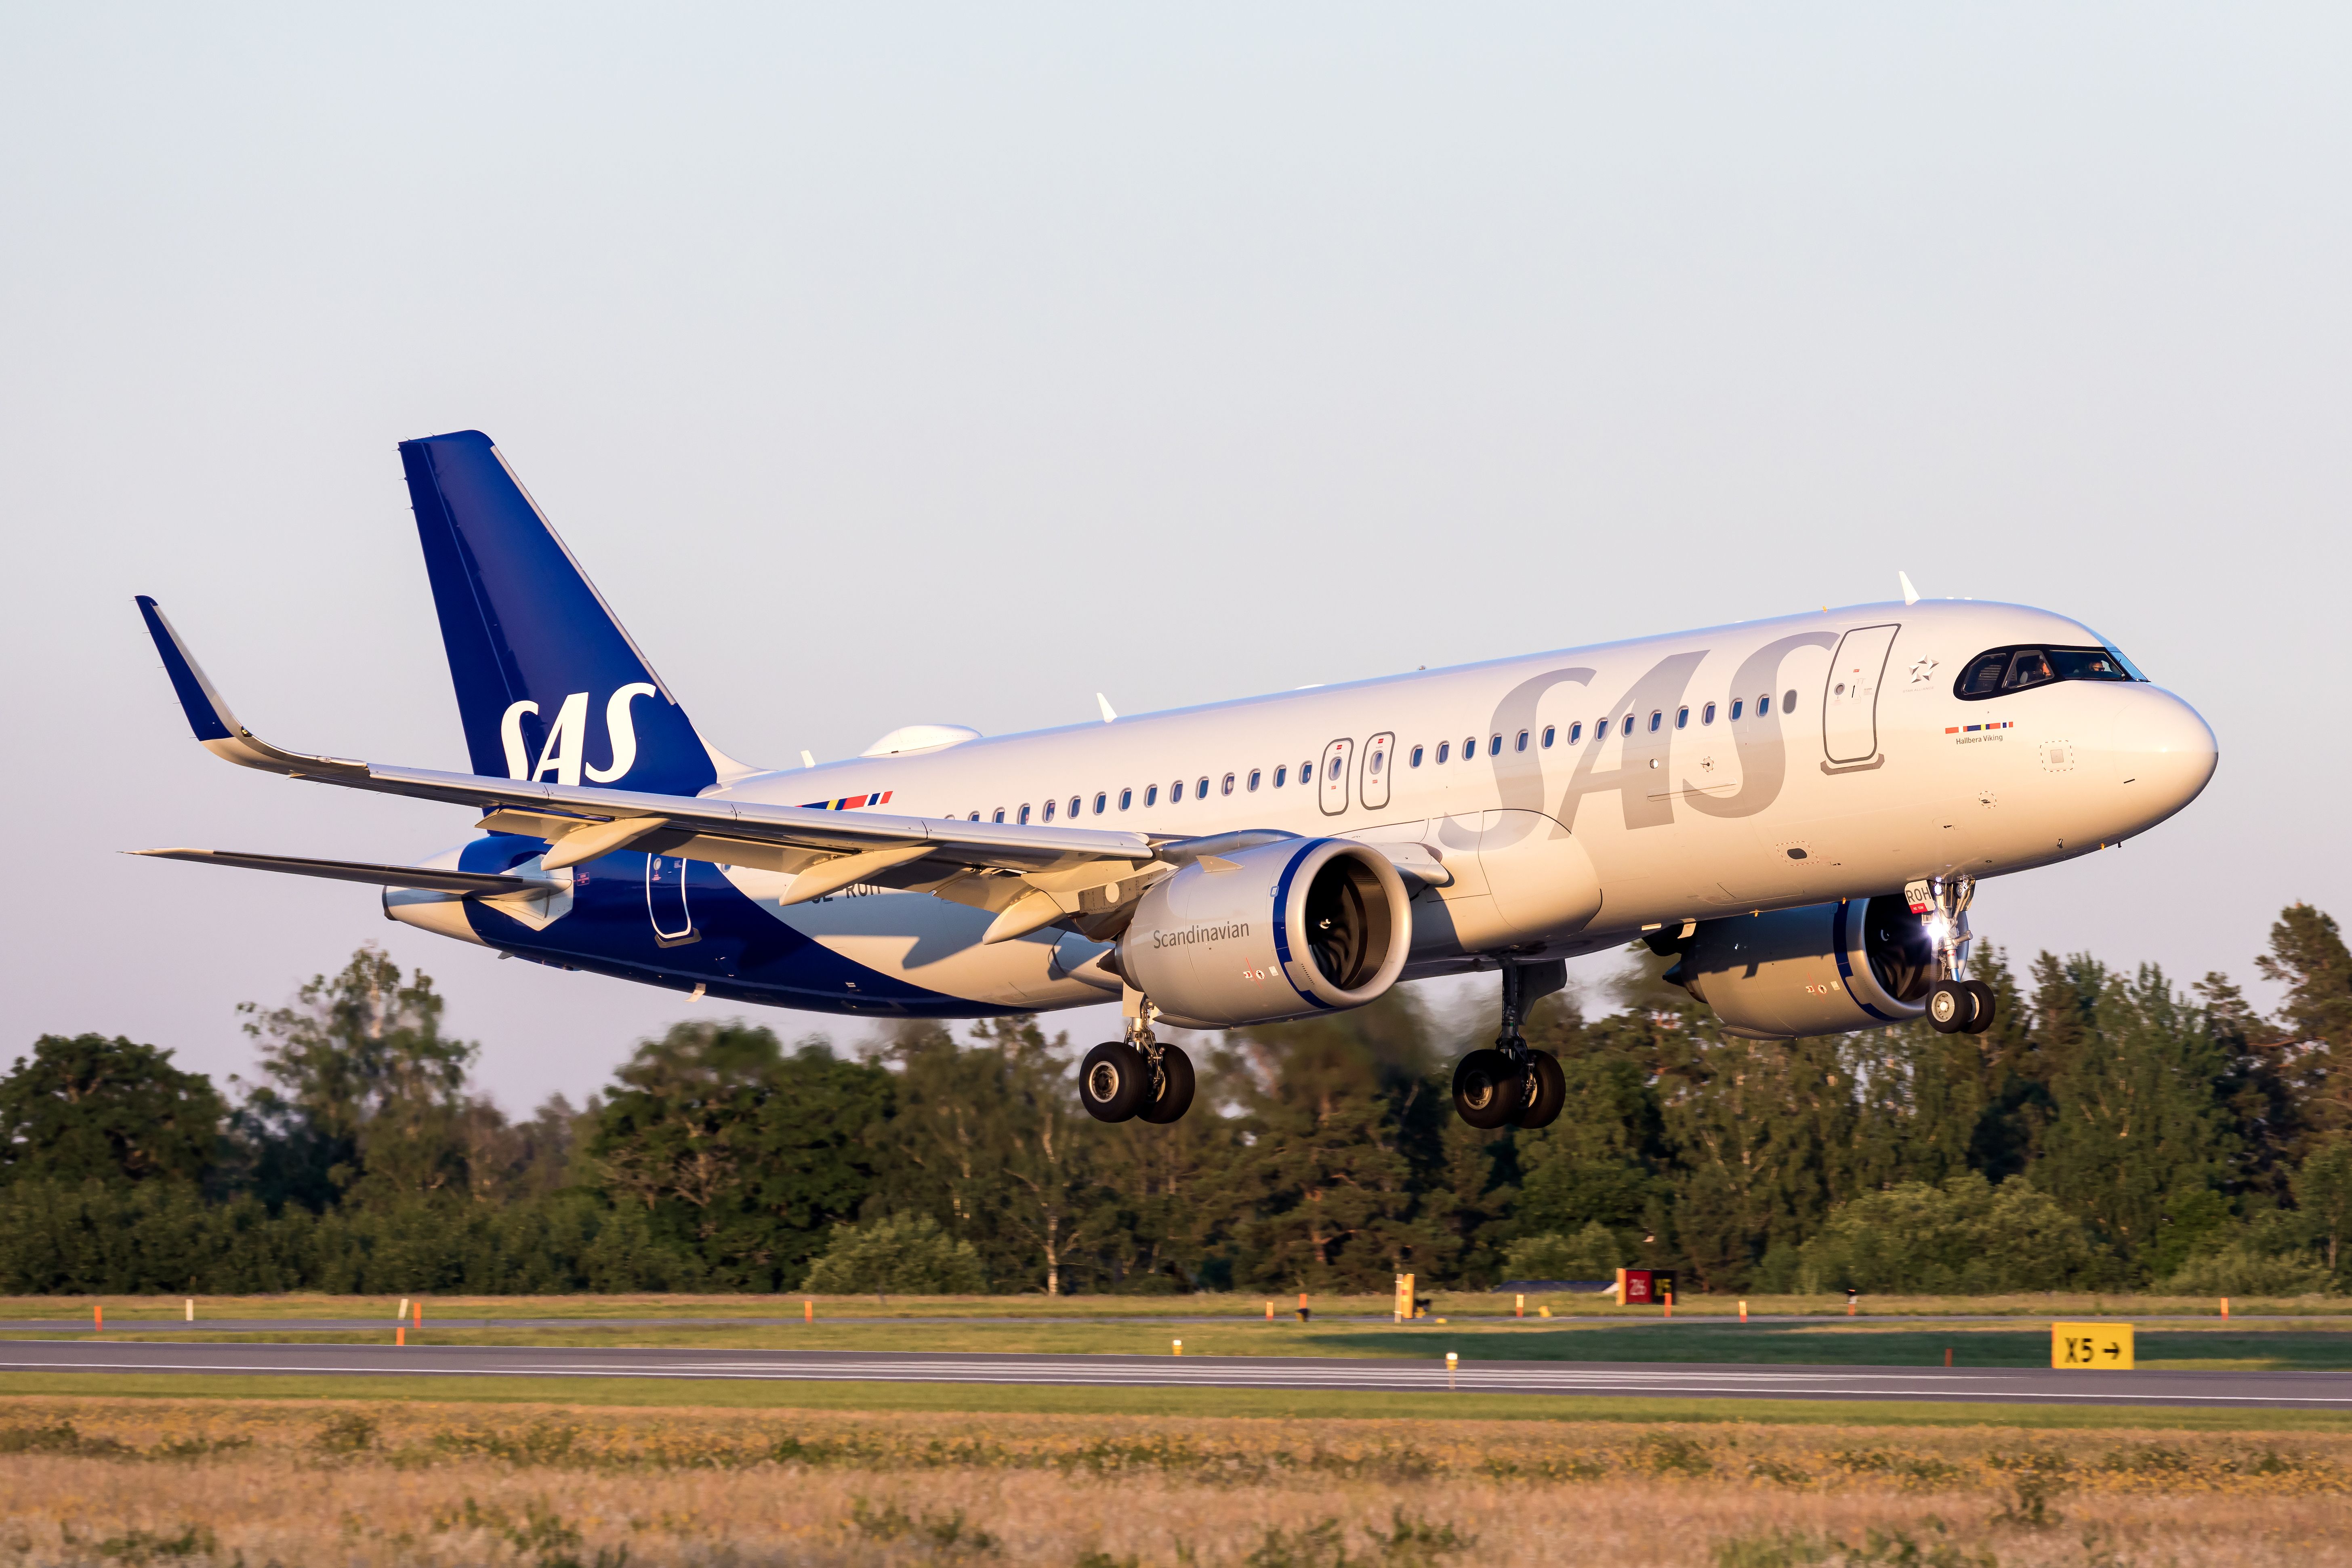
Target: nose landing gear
x,y
1956,1005
1136,1078
1511,1083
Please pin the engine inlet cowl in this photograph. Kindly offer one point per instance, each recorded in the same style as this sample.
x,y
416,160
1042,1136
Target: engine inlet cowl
x,y
1281,931
1824,969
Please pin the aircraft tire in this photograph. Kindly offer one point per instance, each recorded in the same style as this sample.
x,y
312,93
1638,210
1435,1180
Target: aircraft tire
x,y
1113,1080
1951,1007
1546,1094
1987,1005
1175,1086
1488,1090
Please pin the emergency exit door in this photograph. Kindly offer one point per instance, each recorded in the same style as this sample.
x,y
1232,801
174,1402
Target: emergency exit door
x,y
1380,758
1336,756
666,900
1849,697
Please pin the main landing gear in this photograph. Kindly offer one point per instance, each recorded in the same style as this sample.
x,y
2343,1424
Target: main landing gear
x,y
1510,1084
1956,1005
1138,1077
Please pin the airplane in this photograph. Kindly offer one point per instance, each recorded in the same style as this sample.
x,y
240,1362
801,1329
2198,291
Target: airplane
x,y
1797,811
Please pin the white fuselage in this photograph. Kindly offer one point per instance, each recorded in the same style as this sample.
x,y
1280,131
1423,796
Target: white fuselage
x,y
1564,830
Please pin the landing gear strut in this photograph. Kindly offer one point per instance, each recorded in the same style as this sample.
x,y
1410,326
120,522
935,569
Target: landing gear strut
x,y
1511,1083
1137,1077
1955,1004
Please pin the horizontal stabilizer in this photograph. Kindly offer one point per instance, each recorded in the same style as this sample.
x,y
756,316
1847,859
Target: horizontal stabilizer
x,y
481,884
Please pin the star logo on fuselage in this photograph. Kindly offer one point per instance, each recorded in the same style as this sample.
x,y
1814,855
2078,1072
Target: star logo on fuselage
x,y
1921,670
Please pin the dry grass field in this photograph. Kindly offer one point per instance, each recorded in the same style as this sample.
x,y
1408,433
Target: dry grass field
x,y
103,1480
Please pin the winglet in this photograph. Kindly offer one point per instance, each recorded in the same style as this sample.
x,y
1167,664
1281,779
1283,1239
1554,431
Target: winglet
x,y
216,728
208,716
1910,595
1109,717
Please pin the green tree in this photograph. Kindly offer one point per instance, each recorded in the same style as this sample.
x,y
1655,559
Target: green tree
x,y
2141,1145
362,1086
87,1106
2308,957
1323,1193
1960,1235
907,1255
1592,1253
2323,1190
737,1155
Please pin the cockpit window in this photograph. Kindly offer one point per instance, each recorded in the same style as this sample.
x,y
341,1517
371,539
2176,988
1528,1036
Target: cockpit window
x,y
2005,670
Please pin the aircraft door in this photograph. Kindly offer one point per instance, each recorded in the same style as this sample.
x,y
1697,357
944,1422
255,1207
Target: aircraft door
x,y
1380,757
1849,697
1334,774
666,900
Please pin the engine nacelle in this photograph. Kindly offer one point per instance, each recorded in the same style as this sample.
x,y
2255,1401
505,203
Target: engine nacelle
x,y
1821,970
1282,931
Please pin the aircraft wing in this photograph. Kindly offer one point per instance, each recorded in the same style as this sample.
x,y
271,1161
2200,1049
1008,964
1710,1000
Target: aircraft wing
x,y
1030,875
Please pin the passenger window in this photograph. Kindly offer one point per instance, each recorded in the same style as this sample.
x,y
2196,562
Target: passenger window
x,y
1025,813
1380,755
975,817
1682,718
1469,747
1253,779
1416,756
1126,798
1629,724
1656,719
1201,790
1150,795
1102,803
1763,705
1176,792
1281,773
1445,750
1306,772
1521,743
1494,746
1548,734
1737,704
1077,801
1049,811
1789,701
1576,732
1707,714
1226,789
999,815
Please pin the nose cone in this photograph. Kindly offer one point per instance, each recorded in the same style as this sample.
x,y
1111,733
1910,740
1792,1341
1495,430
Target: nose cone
x,y
2164,753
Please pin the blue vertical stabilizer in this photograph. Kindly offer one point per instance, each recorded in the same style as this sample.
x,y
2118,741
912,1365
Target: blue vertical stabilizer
x,y
548,686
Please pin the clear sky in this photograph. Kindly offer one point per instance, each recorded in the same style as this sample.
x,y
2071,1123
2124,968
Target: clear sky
x,y
889,364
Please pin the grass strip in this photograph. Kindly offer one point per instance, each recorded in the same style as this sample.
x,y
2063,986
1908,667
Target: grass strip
x,y
1273,1404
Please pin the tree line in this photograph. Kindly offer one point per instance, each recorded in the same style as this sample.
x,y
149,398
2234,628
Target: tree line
x,y
2111,1131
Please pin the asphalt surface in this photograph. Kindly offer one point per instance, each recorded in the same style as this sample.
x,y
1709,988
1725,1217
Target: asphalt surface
x,y
2291,1390
126,1323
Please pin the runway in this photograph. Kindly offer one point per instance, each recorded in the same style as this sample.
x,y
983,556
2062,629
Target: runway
x,y
2023,1385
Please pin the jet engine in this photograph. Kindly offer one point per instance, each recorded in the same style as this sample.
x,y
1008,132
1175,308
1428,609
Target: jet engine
x,y
1279,930
1821,970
